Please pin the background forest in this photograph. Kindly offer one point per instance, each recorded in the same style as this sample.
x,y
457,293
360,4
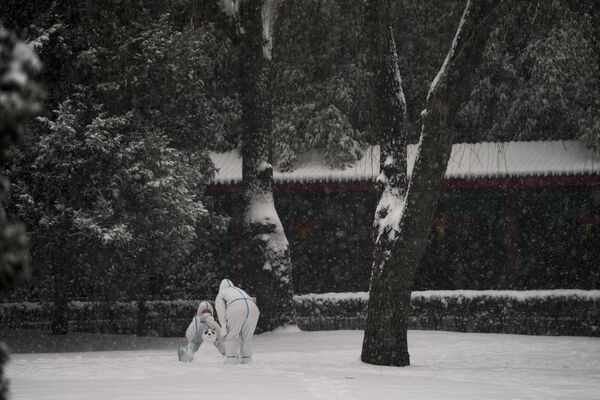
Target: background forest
x,y
109,179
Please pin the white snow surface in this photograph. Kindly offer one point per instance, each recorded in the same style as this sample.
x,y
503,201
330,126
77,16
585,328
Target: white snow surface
x,y
517,159
290,364
309,167
467,161
521,295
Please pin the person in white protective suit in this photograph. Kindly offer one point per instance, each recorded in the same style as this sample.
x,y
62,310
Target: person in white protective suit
x,y
202,328
238,315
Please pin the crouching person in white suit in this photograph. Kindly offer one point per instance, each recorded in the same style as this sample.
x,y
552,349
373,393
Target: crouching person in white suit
x,y
202,328
238,316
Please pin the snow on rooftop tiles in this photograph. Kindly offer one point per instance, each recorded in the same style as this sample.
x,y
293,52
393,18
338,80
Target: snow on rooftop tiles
x,y
514,159
467,161
309,167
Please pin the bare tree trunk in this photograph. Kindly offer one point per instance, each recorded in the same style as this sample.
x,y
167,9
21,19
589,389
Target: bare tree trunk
x,y
403,217
266,257
389,115
141,326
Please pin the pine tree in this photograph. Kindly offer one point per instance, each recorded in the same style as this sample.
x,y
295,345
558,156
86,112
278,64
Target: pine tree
x,y
319,101
539,83
111,183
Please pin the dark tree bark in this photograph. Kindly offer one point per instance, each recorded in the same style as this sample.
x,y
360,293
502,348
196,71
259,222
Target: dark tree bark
x,y
266,258
59,267
141,326
389,115
60,321
403,217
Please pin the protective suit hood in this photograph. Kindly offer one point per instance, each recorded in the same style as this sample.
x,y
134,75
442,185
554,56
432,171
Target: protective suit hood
x,y
205,307
225,283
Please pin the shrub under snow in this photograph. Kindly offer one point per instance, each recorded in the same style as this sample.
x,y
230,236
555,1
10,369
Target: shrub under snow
x,y
535,312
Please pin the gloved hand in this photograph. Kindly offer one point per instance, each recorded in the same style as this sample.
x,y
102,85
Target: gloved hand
x,y
223,331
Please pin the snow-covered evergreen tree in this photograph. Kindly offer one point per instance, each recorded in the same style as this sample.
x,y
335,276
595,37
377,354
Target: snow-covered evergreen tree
x,y
112,181
538,84
319,99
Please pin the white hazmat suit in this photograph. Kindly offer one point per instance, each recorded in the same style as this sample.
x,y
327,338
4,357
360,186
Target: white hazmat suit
x,y
203,320
238,315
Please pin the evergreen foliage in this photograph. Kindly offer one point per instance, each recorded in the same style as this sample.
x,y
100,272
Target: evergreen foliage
x,y
111,181
19,98
539,86
319,93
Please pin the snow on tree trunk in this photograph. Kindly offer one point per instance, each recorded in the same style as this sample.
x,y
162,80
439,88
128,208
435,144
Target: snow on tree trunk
x,y
266,258
403,216
389,115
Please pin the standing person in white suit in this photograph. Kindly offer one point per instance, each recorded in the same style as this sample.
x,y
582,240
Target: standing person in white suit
x,y
238,315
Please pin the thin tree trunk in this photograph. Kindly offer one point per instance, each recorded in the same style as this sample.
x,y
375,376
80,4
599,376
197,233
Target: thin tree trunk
x,y
141,326
60,321
403,218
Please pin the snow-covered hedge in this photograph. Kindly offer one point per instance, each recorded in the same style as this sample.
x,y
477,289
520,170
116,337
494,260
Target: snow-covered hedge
x,y
163,318
536,312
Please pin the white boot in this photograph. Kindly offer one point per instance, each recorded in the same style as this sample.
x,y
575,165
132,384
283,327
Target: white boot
x,y
246,352
246,360
230,352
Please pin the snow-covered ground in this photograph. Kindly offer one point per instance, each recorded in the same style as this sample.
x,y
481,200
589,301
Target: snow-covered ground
x,y
290,364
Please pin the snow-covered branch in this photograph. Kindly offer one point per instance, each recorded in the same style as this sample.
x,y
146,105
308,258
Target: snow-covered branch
x,y
397,77
230,7
269,14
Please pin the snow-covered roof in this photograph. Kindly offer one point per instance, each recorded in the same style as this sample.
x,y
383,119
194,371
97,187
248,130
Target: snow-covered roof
x,y
309,167
467,161
519,159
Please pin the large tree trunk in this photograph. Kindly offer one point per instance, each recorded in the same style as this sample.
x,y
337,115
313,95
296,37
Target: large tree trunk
x,y
266,258
389,115
403,217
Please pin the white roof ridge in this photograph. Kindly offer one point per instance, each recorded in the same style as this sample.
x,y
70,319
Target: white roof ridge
x,y
467,161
